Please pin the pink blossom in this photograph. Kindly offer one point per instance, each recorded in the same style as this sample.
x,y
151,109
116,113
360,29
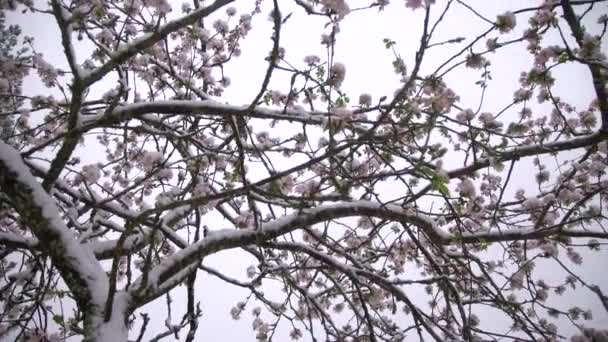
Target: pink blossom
x,y
48,74
221,26
338,7
342,113
91,173
312,60
307,188
466,188
365,100
532,203
161,6
492,44
165,174
465,115
336,75
415,4
506,22
231,11
150,159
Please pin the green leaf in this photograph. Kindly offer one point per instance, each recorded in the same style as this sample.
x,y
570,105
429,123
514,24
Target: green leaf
x,y
483,244
58,319
388,43
274,187
438,183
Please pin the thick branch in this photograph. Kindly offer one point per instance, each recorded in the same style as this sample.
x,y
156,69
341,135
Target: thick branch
x,y
78,267
229,238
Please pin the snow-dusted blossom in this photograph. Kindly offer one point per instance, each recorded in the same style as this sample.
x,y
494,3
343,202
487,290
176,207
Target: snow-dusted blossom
x,y
202,188
286,184
264,139
165,174
522,95
574,256
231,11
382,4
466,188
365,100
48,74
327,39
245,24
517,279
226,81
476,61
440,171
549,249
588,315
24,117
245,220
532,203
342,113
312,60
440,97
236,311
542,176
543,17
544,55
295,334
597,167
587,119
161,6
162,199
569,194
131,6
277,98
506,22
336,75
338,7
105,36
251,271
150,159
91,173
492,44
186,7
489,122
307,188
474,320
465,115
415,4
109,95
221,26
130,30
400,68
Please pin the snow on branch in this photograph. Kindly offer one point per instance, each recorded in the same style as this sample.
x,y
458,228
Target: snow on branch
x,y
77,264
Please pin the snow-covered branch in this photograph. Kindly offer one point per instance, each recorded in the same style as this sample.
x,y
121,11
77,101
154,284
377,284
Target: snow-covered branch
x,y
77,264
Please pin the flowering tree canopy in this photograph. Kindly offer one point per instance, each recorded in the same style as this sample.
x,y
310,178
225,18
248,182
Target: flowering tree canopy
x,y
432,211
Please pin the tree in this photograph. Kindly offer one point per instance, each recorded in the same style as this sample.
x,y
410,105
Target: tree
x,y
409,216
